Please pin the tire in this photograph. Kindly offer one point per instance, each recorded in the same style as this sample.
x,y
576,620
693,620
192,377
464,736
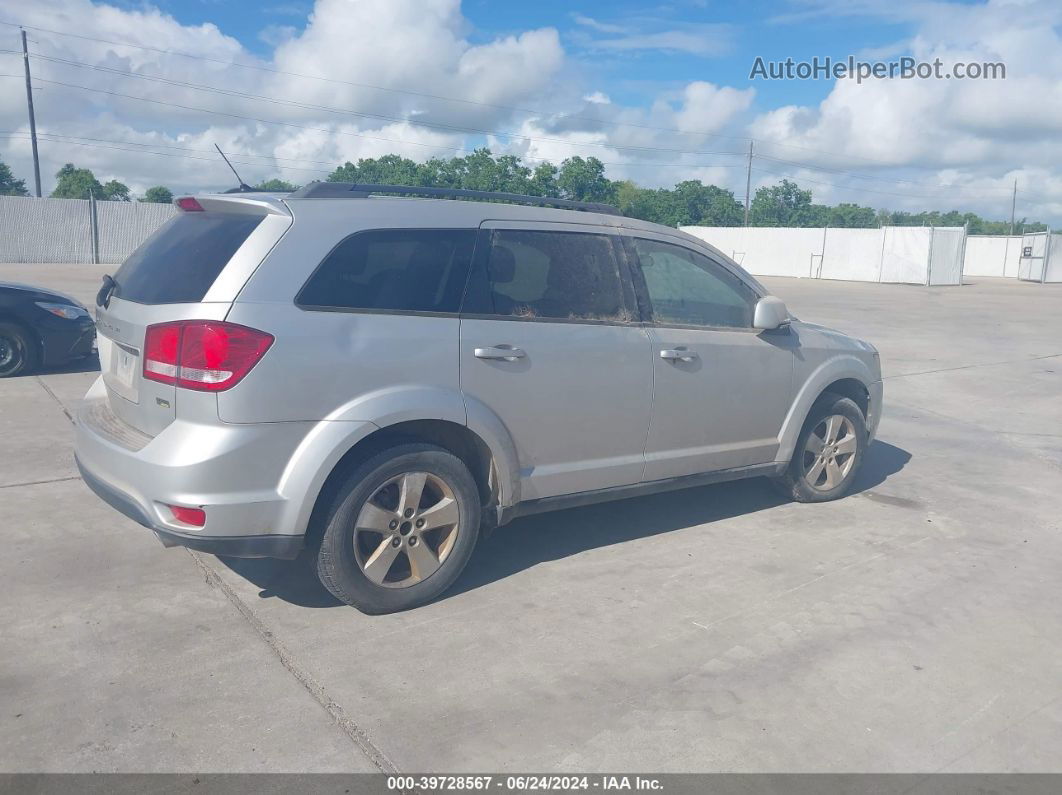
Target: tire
x,y
811,478
18,351
381,555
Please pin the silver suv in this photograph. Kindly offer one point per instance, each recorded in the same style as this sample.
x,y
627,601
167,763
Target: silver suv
x,y
384,378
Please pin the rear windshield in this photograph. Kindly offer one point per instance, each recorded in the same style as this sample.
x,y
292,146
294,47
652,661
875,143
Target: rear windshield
x,y
182,259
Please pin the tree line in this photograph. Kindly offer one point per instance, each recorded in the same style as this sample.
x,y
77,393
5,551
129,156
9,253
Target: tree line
x,y
689,203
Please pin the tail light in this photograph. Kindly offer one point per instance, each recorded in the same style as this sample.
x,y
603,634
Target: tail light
x,y
196,517
207,355
189,204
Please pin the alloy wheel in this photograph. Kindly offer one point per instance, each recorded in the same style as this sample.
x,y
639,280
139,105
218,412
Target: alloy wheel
x,y
10,354
830,452
406,530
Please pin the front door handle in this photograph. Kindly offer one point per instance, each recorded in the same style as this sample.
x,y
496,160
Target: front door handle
x,y
498,352
678,354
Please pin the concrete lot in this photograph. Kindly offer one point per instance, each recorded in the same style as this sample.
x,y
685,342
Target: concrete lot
x,y
914,626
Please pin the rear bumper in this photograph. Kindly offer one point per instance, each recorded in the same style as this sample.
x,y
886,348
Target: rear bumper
x,y
238,474
251,546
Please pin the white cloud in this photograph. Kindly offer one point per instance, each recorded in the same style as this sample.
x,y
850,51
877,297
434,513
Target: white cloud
x,y
960,141
403,45
704,39
275,35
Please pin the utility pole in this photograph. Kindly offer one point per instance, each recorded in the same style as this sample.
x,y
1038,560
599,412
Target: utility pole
x,y
33,121
1013,204
748,184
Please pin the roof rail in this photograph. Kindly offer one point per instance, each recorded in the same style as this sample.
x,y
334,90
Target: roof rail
x,y
353,190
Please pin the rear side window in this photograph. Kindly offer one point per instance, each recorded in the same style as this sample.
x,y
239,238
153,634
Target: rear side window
x,y
412,270
182,259
546,274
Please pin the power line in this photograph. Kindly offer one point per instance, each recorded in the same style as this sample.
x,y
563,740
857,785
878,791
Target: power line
x,y
366,114
442,147
609,122
58,139
859,190
9,135
417,122
262,68
238,116
165,154
61,138
259,67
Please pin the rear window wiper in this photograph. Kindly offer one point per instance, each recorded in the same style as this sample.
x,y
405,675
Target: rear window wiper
x,y
109,288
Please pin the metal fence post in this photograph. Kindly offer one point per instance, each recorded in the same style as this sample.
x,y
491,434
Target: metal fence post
x,y
962,253
95,230
929,258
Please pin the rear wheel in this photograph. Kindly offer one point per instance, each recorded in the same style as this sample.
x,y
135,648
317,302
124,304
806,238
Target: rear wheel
x,y
829,451
401,530
18,354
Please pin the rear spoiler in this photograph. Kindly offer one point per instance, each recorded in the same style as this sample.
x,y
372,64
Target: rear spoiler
x,y
246,203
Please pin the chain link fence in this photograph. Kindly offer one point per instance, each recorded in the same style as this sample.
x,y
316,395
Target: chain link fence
x,y
71,231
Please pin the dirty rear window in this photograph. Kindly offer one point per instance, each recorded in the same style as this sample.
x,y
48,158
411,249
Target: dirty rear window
x,y
182,259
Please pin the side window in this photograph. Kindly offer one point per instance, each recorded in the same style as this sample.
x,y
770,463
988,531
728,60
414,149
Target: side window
x,y
687,288
413,270
546,274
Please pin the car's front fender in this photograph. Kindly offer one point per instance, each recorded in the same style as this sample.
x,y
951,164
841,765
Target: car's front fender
x,y
837,367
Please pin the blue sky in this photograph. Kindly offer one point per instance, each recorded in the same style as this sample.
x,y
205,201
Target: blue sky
x,y
773,30
659,91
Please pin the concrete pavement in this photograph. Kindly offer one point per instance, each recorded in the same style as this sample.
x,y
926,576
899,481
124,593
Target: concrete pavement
x,y
910,627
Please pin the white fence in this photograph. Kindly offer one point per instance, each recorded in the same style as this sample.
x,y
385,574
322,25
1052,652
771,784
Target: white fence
x,y
60,230
992,255
1040,258
903,254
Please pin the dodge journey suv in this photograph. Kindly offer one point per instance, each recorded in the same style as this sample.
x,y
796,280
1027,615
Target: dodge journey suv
x,y
383,374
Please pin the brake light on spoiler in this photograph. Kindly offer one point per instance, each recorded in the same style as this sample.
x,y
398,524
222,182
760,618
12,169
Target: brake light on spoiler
x,y
206,355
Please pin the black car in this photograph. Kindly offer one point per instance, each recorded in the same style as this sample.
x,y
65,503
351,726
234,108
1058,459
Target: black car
x,y
41,328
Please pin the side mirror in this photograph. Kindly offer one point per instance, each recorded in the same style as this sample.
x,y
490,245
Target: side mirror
x,y
770,313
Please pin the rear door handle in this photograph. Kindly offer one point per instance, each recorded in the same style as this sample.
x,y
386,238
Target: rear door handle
x,y
498,352
678,354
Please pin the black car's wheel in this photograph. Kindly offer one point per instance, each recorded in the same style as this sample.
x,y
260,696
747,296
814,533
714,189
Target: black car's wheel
x,y
18,354
828,453
402,528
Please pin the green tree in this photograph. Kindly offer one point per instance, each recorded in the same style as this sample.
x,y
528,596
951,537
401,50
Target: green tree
x,y
705,205
115,191
278,185
387,170
784,204
544,181
635,201
481,170
158,195
688,203
584,180
852,216
76,183
9,186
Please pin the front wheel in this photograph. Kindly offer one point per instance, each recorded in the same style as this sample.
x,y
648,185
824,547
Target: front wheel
x,y
401,530
828,453
17,352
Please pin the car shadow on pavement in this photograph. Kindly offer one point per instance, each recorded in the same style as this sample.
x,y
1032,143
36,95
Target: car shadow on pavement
x,y
550,536
87,364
